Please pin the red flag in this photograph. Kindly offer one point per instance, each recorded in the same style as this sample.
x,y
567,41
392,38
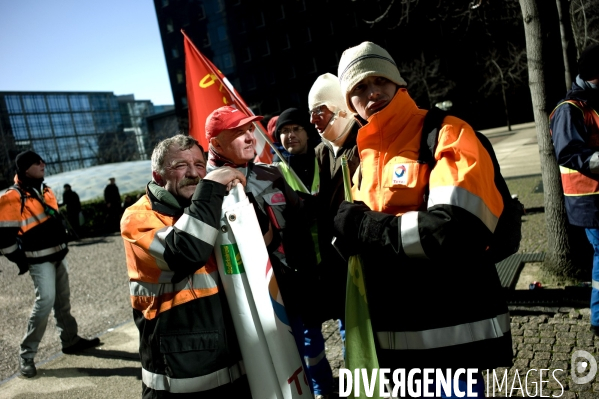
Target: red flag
x,y
207,90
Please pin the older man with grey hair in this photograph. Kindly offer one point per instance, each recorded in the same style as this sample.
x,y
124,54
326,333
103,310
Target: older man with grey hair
x,y
188,343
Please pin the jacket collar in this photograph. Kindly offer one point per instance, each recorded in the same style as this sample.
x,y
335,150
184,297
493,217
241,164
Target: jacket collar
x,y
397,114
162,201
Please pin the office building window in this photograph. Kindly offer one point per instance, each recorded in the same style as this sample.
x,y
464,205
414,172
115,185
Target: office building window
x,y
84,123
222,33
282,12
286,43
169,25
308,35
62,124
228,60
69,148
206,40
164,3
100,103
39,126
248,55
88,146
251,82
58,103
79,102
266,48
34,104
260,20
220,6
46,149
179,76
184,101
175,52
201,13
13,103
19,128
313,68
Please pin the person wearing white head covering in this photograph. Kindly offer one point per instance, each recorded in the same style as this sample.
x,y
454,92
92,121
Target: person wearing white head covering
x,y
338,129
328,111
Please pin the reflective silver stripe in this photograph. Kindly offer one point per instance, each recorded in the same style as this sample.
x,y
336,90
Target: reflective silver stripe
x,y
594,163
313,361
45,252
457,196
446,336
10,223
410,237
199,281
39,217
197,228
595,284
9,250
160,382
157,247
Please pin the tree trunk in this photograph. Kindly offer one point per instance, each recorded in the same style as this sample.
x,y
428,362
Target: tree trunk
x,y
568,45
541,48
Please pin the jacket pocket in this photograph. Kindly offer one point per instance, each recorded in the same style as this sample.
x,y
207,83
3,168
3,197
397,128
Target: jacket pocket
x,y
188,355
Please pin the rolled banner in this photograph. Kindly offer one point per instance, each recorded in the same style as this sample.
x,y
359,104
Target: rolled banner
x,y
272,361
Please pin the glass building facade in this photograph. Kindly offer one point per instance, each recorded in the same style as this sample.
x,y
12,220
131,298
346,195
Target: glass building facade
x,y
70,130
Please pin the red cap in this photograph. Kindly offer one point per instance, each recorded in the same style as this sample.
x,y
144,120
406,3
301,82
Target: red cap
x,y
227,117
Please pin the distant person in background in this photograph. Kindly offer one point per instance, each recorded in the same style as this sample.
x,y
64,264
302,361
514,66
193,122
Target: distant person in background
x,y
129,200
70,199
574,128
272,125
32,236
112,198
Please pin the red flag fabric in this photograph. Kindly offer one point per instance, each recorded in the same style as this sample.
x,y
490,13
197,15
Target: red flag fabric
x,y
207,90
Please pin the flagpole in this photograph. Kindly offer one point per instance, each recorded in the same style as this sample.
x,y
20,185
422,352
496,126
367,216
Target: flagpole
x,y
246,110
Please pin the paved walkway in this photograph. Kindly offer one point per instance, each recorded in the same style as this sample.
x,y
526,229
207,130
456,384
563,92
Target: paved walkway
x,y
544,338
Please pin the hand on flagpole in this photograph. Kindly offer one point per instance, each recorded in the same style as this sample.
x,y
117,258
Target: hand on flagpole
x,y
227,176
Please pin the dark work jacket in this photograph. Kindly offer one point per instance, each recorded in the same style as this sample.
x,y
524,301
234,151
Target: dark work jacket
x,y
333,268
575,135
187,335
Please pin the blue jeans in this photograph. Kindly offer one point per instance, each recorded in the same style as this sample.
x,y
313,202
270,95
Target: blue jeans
x,y
593,236
51,284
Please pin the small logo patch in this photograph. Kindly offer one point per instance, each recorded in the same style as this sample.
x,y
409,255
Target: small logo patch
x,y
232,259
400,174
277,198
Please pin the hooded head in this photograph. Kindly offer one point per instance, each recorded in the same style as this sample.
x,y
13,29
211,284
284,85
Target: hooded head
x,y
326,91
588,63
359,62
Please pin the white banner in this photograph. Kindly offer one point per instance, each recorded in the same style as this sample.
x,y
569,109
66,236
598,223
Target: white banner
x,y
270,355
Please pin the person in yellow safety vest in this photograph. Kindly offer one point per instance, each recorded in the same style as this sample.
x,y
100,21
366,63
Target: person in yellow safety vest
x,y
298,137
574,128
188,345
434,297
33,236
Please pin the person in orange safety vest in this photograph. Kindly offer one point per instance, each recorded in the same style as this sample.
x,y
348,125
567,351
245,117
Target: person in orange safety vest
x,y
574,125
188,343
434,296
32,236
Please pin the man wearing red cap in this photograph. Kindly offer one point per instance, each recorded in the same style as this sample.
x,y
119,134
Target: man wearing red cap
x,y
279,209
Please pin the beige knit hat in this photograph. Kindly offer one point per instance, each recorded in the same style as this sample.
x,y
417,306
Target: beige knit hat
x,y
326,91
366,59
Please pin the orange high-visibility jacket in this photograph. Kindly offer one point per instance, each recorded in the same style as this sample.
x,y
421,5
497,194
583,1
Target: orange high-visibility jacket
x,y
187,339
31,235
434,297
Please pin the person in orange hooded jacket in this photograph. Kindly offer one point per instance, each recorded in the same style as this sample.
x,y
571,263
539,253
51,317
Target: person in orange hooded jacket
x,y
33,237
434,296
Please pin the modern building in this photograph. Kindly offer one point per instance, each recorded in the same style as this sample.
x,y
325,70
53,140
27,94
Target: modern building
x,y
71,130
271,52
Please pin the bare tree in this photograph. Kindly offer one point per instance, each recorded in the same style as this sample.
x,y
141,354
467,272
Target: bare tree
x,y
425,80
541,48
584,19
502,71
